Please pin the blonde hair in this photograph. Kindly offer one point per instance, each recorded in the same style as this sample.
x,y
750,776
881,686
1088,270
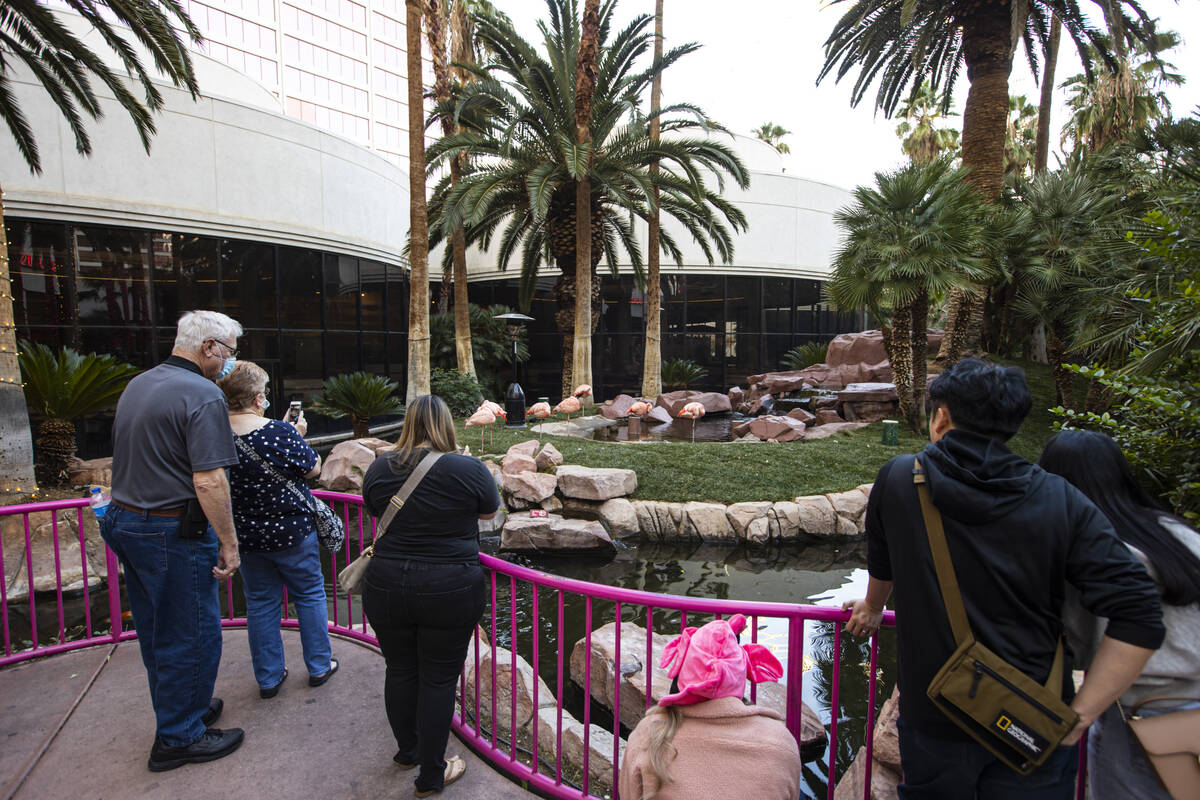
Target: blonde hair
x,y
659,751
427,420
243,384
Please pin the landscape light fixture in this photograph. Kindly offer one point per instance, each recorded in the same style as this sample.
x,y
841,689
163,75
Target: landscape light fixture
x,y
514,398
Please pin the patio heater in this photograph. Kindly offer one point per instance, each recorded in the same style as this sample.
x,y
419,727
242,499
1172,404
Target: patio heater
x,y
514,397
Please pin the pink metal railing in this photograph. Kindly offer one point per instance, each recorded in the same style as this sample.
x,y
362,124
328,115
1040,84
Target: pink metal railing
x,y
520,582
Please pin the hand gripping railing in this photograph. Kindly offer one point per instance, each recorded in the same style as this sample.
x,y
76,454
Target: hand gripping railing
x,y
34,623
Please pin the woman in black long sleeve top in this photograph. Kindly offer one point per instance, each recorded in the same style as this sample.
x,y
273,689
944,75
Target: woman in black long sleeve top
x,y
425,591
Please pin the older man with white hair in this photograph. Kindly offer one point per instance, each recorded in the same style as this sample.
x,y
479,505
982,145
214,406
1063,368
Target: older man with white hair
x,y
171,526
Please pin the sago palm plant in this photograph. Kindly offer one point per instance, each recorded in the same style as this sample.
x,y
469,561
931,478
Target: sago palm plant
x,y
62,388
679,373
518,189
805,355
360,396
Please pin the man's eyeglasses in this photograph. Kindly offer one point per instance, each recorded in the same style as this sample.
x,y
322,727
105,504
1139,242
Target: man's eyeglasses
x,y
233,351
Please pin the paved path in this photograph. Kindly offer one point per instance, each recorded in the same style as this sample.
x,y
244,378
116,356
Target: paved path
x,y
328,742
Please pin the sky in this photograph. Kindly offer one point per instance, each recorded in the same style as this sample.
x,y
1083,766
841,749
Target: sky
x,y
760,63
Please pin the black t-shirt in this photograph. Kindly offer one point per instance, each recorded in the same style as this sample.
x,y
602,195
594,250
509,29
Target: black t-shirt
x,y
440,519
1017,536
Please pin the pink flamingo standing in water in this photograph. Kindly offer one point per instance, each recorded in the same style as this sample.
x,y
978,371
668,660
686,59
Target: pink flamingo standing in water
x,y
568,406
639,409
482,418
692,411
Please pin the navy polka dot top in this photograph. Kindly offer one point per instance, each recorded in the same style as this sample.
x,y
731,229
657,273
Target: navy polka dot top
x,y
266,515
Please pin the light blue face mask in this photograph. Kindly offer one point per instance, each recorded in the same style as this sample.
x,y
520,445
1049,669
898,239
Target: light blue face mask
x,y
226,368
265,404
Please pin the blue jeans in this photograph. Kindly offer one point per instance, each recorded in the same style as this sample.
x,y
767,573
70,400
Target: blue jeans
x,y
937,769
173,597
263,577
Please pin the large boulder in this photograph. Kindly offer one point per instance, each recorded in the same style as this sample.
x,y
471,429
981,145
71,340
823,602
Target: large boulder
x,y
659,520
713,402
736,396
549,457
803,415
868,402
554,533
817,516
619,518
515,463
885,766
706,522
618,407
506,665
378,446
762,402
532,487
781,429
71,559
832,429
595,483
660,415
851,505
828,416
750,521
94,472
599,747
343,469
526,448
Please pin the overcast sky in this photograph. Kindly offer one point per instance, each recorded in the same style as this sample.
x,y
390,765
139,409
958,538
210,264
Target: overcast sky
x,y
760,60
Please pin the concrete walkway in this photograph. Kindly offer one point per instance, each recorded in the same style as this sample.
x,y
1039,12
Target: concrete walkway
x,y
79,726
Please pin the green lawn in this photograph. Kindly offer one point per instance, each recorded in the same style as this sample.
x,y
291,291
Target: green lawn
x,y
733,472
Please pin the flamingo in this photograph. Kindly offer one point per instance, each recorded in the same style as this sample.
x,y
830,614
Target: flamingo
x,y
582,391
495,408
568,406
693,411
539,411
481,419
640,409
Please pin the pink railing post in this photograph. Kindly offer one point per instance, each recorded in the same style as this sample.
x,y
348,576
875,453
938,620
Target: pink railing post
x,y
114,594
587,691
62,629
833,708
512,665
795,674
493,670
537,634
617,705
871,671
83,564
33,631
558,725
648,668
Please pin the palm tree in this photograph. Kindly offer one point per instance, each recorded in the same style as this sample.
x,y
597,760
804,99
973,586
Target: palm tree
x,y
418,220
918,233
1042,144
773,135
63,388
903,43
360,396
585,89
1020,142
652,358
31,34
521,183
922,140
1117,102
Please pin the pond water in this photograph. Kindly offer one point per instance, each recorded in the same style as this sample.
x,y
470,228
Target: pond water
x,y
717,428
816,574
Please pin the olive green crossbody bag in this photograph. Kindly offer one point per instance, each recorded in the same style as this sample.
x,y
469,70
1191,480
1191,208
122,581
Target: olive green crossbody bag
x,y
1016,718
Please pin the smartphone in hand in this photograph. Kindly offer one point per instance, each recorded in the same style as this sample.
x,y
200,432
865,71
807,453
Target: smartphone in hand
x,y
293,412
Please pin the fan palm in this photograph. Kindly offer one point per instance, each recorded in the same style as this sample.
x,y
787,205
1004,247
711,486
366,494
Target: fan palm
x,y
805,355
360,396
519,189
902,43
32,35
63,388
918,233
679,373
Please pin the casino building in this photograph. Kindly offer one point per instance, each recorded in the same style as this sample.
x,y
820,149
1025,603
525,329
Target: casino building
x,y
280,197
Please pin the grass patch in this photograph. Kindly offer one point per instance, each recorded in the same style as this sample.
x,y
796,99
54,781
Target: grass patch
x,y
730,472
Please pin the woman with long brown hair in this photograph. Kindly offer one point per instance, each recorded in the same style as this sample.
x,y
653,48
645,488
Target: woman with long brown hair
x,y
424,590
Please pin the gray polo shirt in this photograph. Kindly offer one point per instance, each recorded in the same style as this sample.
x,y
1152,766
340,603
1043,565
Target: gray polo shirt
x,y
171,422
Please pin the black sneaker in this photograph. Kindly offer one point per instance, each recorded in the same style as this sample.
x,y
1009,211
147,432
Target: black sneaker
x,y
271,691
317,680
214,744
210,717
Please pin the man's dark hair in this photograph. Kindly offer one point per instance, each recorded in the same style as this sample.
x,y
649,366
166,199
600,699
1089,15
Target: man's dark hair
x,y
982,397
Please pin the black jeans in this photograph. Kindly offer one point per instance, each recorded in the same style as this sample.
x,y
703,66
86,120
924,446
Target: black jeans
x,y
423,615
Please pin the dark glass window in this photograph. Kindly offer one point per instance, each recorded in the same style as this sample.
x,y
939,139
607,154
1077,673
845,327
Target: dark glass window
x,y
303,366
397,345
248,282
189,282
374,353
341,292
373,275
341,353
674,288
43,284
299,289
113,276
126,343
397,298
742,328
777,305
774,347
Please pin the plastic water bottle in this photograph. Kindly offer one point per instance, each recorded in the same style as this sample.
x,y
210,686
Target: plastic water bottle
x,y
99,501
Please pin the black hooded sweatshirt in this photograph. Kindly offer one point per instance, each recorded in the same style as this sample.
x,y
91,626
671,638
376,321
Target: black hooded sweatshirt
x,y
1017,535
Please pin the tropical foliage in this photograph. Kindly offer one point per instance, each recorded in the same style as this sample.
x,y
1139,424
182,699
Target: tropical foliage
x,y
773,134
462,393
805,355
491,345
917,234
921,135
64,387
679,373
518,188
360,396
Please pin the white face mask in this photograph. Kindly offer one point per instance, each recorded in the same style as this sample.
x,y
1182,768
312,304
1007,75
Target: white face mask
x,y
264,404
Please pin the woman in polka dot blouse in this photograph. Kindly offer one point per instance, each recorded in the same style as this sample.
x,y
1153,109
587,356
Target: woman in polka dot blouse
x,y
276,533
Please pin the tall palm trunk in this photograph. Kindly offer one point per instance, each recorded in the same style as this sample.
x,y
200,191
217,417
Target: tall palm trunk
x,y
901,358
1056,351
16,446
920,353
652,359
987,50
418,215
1042,149
436,16
585,86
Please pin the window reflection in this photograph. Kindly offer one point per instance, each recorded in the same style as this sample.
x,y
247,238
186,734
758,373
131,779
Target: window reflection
x,y
113,276
341,292
191,279
43,285
299,288
248,283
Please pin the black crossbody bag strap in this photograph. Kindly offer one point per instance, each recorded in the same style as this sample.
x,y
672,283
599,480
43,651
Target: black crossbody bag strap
x,y
257,458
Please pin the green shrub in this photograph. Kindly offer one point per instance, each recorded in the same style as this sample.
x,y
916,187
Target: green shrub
x,y
461,392
678,373
805,355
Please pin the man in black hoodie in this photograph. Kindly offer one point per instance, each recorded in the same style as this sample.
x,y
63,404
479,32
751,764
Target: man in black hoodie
x,y
1016,535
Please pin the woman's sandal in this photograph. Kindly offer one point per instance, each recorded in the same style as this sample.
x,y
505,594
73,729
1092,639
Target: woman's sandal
x,y
455,767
